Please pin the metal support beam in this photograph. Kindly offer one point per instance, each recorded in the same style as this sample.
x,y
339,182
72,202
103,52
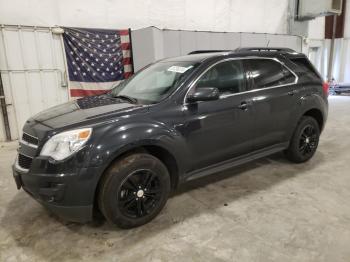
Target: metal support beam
x,y
331,54
4,111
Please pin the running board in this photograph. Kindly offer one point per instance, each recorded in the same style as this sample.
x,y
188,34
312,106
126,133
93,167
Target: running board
x,y
227,164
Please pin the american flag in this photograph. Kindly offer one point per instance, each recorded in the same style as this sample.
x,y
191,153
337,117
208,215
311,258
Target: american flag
x,y
97,59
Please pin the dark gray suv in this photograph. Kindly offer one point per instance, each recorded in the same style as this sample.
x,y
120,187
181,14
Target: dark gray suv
x,y
178,119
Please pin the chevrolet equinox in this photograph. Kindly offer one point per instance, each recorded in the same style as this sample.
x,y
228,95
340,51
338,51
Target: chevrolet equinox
x,y
178,119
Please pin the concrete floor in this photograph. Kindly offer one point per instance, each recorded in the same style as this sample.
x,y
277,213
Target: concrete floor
x,y
268,210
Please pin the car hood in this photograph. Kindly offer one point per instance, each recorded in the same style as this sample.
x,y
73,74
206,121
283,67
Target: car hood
x,y
82,111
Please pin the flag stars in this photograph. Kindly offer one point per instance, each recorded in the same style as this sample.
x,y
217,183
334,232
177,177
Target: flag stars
x,y
75,73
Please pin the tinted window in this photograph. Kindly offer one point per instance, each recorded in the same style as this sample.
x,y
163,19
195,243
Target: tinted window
x,y
227,76
304,67
269,73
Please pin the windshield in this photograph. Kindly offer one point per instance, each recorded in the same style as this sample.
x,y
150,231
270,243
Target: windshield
x,y
155,82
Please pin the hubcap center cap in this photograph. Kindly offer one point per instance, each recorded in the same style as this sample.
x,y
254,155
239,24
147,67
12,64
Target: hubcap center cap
x,y
307,140
140,193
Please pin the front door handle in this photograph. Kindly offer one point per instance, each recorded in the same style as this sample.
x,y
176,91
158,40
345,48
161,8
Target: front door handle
x,y
292,93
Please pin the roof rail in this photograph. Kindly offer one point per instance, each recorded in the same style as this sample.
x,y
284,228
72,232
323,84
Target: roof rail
x,y
264,49
207,51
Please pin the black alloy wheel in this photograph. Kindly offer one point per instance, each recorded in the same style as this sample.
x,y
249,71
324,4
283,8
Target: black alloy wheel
x,y
304,141
140,193
308,140
133,190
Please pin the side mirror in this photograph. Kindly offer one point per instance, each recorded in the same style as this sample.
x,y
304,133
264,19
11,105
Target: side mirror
x,y
204,94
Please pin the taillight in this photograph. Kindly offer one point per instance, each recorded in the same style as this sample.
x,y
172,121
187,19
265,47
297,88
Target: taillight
x,y
325,87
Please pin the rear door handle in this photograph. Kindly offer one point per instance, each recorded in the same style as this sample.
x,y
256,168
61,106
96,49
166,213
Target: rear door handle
x,y
292,93
244,105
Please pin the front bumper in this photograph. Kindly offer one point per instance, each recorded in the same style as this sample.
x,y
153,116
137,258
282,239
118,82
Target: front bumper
x,y
68,195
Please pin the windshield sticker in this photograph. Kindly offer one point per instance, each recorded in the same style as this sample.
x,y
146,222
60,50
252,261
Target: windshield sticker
x,y
178,69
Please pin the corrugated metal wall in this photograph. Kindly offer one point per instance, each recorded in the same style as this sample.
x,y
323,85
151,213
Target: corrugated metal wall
x,y
33,73
151,43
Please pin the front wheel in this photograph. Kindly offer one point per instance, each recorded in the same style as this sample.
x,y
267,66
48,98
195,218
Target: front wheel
x,y
134,190
305,140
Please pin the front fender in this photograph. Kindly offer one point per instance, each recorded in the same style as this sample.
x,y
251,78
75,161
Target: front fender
x,y
111,141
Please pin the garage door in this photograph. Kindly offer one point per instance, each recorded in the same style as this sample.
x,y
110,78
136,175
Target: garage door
x,y
33,73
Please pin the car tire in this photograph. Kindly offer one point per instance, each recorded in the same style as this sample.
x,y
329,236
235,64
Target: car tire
x,y
134,190
304,141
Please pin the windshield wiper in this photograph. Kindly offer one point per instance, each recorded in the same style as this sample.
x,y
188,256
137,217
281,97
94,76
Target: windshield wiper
x,y
127,98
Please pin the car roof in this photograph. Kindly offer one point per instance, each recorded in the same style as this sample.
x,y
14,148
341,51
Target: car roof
x,y
202,55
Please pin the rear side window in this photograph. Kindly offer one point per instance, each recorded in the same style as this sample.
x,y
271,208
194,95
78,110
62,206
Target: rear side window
x,y
269,73
304,68
227,76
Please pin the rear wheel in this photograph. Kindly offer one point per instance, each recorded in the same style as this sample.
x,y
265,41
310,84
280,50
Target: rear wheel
x,y
134,190
305,140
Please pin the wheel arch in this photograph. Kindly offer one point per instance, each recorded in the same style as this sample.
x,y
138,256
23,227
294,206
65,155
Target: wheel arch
x,y
317,115
160,152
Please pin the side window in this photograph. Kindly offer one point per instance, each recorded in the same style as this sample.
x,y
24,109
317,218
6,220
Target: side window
x,y
227,76
269,73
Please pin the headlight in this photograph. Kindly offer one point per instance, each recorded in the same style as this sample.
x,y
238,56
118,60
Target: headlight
x,y
64,144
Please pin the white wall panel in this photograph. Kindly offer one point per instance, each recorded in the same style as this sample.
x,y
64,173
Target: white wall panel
x,y
252,40
263,16
33,73
169,43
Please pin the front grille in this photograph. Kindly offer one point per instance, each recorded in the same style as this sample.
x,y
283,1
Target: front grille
x,y
24,161
30,139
